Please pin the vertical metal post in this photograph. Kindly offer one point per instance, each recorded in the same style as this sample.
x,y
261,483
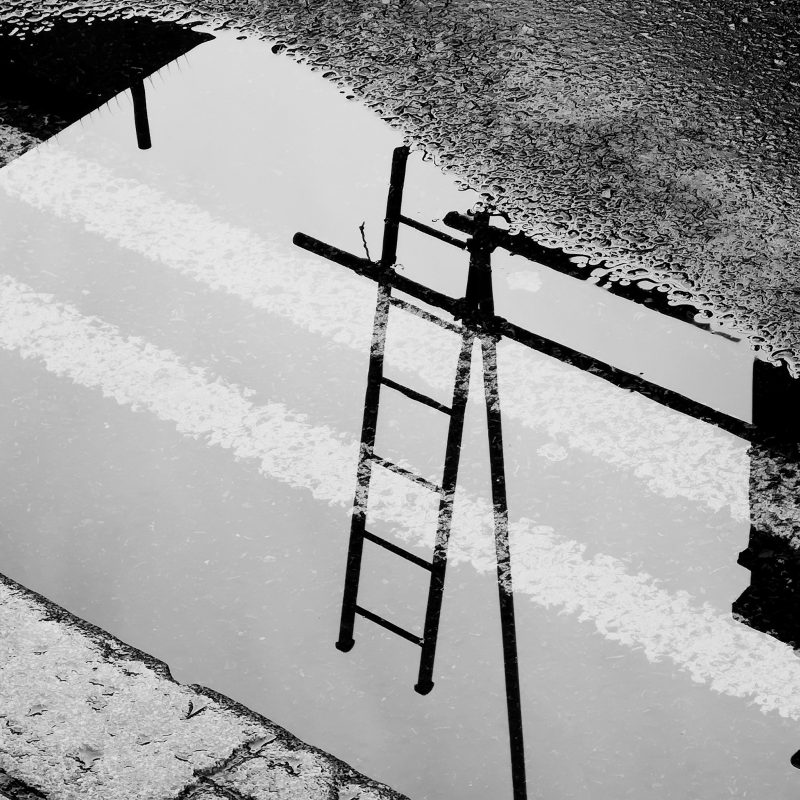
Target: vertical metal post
x,y
479,296
140,116
776,401
445,519
394,203
505,589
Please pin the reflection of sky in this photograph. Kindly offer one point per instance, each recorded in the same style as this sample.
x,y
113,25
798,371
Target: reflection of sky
x,y
625,515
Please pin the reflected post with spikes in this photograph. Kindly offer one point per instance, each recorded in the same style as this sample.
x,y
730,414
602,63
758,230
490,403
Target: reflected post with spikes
x,y
140,121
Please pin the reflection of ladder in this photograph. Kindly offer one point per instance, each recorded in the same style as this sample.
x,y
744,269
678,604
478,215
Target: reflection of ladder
x,y
140,120
477,301
368,459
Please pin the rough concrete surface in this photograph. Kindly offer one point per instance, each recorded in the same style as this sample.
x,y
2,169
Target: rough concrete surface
x,y
653,139
83,715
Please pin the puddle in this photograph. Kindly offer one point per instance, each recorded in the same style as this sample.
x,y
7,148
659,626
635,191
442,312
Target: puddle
x,y
180,422
67,70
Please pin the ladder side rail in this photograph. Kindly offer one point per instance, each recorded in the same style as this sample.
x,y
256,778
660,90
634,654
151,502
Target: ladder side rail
x,y
369,425
364,471
445,517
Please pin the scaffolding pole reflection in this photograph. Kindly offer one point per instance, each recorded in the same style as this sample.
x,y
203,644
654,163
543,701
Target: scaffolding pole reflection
x,y
140,116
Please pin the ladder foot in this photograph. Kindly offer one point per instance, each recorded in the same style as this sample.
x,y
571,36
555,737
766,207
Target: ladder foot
x,y
345,645
423,687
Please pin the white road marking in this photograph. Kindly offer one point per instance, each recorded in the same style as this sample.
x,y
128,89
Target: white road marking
x,y
553,571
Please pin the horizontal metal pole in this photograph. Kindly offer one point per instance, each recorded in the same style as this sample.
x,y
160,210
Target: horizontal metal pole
x,y
378,273
502,327
362,266
625,380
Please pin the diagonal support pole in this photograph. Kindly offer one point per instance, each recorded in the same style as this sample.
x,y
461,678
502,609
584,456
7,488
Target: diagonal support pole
x,y
503,554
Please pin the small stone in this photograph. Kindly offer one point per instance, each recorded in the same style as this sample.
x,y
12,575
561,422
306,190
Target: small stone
x,y
87,755
258,743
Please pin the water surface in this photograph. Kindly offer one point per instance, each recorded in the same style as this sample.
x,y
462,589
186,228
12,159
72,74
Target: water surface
x,y
180,417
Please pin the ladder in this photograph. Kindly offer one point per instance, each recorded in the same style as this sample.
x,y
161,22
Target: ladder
x,y
474,320
368,458
477,305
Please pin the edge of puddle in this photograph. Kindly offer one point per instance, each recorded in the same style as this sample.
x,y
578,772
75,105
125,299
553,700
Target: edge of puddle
x,y
83,714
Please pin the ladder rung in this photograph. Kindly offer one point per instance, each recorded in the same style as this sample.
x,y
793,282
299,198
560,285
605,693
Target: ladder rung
x,y
398,551
390,626
421,312
421,226
412,476
418,396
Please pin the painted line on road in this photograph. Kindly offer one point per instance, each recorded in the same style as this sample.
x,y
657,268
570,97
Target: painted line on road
x,y
554,572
